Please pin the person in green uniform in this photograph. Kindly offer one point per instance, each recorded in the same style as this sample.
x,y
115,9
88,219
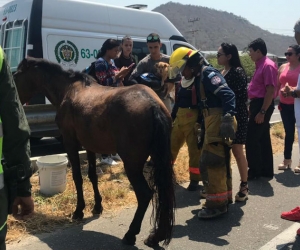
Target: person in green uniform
x,y
15,167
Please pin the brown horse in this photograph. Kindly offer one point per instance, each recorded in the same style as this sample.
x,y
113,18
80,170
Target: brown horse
x,y
131,121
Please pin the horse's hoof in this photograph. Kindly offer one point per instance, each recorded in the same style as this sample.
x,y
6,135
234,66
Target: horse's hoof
x,y
151,241
129,240
97,210
77,216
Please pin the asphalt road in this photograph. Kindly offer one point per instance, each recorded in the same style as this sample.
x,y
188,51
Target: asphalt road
x,y
247,226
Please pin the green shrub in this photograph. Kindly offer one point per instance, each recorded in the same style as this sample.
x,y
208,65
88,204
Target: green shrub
x,y
246,61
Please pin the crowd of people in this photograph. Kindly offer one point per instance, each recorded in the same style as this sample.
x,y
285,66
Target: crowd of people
x,y
214,112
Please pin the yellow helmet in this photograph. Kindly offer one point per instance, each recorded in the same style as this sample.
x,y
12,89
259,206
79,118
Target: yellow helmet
x,y
178,60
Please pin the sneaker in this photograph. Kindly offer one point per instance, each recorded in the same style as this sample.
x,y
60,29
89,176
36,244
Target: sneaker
x,y
203,194
286,164
242,195
208,213
116,157
108,161
193,186
293,215
298,232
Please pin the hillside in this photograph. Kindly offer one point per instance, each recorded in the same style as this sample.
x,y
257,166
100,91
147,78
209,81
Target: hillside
x,y
215,27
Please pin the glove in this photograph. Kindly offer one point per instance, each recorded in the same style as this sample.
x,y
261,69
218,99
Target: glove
x,y
227,128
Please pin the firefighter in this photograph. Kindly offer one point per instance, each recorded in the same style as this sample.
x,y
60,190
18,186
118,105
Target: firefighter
x,y
15,169
217,104
186,117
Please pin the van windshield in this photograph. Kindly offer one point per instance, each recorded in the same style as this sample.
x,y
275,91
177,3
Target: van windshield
x,y
13,41
140,50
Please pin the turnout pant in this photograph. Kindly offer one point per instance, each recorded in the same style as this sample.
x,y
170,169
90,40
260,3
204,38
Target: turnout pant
x,y
258,144
183,131
215,162
216,175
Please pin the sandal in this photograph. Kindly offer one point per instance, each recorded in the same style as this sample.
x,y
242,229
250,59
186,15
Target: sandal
x,y
242,195
286,164
297,169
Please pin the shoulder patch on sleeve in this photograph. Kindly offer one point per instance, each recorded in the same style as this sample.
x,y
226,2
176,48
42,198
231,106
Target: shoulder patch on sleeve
x,y
211,74
216,80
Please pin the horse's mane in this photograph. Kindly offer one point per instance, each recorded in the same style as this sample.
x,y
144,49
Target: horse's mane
x,y
54,68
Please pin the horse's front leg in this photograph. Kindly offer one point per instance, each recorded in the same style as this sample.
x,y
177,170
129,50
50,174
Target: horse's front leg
x,y
94,180
71,147
143,194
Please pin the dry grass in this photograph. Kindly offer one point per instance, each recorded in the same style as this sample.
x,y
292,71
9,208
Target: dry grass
x,y
53,212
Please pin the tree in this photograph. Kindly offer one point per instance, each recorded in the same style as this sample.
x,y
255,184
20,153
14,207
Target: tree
x,y
246,61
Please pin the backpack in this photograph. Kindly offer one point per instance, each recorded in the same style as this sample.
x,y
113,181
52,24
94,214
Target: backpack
x,y
91,70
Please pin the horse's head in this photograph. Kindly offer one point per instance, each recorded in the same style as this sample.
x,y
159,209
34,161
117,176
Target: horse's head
x,y
27,78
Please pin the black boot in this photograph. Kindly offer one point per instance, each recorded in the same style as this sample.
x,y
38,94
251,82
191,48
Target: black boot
x,y
193,186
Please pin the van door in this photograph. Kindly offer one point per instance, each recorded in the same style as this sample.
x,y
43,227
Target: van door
x,y
72,50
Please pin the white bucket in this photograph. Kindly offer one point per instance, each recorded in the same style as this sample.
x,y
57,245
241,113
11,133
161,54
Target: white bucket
x,y
52,174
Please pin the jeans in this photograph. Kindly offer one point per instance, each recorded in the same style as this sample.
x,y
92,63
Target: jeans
x,y
258,143
288,119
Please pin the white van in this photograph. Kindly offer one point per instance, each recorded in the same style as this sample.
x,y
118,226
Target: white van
x,y
70,32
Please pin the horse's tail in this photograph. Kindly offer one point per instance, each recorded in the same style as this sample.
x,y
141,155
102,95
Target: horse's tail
x,y
163,176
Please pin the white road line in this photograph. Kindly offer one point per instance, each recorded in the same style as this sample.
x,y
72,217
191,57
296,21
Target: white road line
x,y
282,239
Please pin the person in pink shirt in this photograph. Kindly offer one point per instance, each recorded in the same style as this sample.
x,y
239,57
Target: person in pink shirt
x,y
261,92
294,214
288,73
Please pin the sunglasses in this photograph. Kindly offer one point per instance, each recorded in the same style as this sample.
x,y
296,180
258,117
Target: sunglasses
x,y
219,54
154,38
288,53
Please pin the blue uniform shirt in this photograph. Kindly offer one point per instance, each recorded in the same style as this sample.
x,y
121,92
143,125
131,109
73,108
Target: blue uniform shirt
x,y
217,92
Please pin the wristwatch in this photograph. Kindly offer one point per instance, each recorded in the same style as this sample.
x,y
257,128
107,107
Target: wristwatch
x,y
262,111
294,94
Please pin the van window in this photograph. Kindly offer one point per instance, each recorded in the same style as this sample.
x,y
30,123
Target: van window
x,y
13,40
176,46
140,50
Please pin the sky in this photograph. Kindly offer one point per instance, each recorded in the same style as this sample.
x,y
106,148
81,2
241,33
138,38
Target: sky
x,y
273,15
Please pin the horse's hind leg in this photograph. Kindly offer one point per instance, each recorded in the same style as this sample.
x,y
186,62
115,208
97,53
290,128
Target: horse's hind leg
x,y
94,180
143,194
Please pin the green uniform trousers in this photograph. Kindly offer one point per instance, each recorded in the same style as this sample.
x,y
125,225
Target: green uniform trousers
x,y
183,131
3,217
